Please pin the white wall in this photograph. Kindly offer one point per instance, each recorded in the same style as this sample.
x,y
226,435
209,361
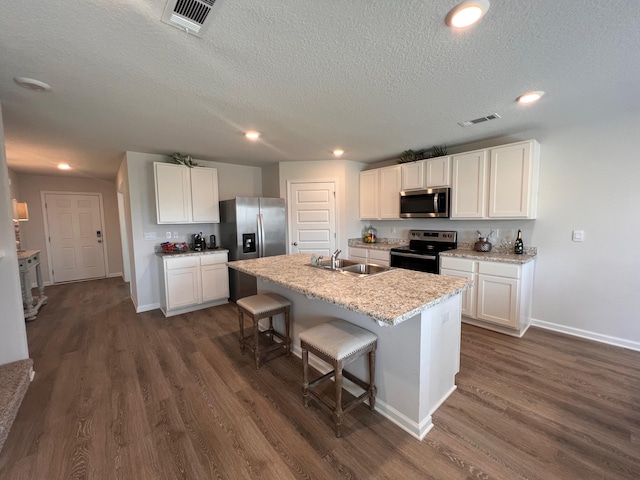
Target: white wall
x,y
589,177
347,175
136,178
13,334
33,233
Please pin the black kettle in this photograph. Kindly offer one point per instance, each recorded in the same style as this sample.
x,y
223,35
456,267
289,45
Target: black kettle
x,y
212,242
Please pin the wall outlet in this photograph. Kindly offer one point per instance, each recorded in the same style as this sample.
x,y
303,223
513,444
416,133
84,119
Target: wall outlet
x,y
175,234
167,234
577,236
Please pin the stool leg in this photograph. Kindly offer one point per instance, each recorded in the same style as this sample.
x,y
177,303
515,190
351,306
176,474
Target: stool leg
x,y
372,377
256,339
241,322
287,327
305,377
338,413
271,328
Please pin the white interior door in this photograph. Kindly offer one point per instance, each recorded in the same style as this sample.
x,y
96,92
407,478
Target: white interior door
x,y
75,236
312,217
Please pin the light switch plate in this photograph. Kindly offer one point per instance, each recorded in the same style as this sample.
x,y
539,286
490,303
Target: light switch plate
x,y
167,234
577,236
150,236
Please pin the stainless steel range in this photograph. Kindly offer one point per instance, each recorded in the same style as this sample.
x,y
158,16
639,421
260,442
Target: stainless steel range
x,y
424,249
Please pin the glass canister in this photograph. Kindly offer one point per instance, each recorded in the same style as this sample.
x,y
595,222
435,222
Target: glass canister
x,y
370,234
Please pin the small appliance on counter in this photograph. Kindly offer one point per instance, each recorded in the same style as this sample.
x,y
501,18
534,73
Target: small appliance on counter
x,y
212,242
198,244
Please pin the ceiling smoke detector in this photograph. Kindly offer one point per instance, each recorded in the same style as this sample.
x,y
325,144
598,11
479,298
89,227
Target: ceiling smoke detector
x,y
475,121
188,15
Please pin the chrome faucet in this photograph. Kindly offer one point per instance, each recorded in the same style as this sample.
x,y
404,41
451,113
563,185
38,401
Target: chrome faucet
x,y
334,259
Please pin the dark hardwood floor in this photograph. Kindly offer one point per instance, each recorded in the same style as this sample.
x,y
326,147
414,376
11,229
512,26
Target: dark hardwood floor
x,y
125,396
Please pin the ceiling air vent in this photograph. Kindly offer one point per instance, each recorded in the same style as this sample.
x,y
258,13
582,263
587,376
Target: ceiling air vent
x,y
188,15
493,116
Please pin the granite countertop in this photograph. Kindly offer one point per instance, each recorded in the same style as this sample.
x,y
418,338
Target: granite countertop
x,y
493,256
192,252
381,244
390,298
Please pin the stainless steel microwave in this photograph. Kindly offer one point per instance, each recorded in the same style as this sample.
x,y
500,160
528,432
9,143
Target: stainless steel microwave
x,y
429,203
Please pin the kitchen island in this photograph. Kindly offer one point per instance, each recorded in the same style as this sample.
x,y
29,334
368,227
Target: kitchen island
x,y
415,315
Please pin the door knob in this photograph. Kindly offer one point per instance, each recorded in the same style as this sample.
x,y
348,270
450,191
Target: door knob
x,y
295,244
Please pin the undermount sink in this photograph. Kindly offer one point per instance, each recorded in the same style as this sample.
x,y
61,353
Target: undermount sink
x,y
365,269
353,268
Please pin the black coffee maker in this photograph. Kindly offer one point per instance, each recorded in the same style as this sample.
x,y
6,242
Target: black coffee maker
x,y
198,244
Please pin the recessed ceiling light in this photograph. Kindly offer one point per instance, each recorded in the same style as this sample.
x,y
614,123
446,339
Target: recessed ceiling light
x,y
530,97
253,136
467,13
31,84
338,151
64,166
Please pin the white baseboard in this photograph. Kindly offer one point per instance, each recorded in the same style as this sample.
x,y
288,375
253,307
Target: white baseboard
x,y
577,332
116,274
146,308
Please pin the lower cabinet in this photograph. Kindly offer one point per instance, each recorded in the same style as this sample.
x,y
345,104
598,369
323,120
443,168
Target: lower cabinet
x,y
193,282
501,296
369,255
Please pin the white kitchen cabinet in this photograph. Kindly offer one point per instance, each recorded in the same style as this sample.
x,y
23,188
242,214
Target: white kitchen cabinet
x,y
413,175
469,185
380,193
370,255
501,297
437,172
186,195
499,182
193,282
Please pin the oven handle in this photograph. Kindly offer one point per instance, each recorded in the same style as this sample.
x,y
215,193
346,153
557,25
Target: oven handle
x,y
414,255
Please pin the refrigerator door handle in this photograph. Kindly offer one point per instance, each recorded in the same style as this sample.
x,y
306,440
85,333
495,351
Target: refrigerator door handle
x,y
260,235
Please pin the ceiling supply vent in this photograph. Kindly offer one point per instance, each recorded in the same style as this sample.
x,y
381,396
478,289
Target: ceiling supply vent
x,y
493,116
188,15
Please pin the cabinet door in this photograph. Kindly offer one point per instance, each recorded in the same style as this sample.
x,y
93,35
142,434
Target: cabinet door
x,y
390,184
438,172
469,185
369,194
380,257
469,295
183,287
498,300
204,195
412,175
173,197
511,181
215,282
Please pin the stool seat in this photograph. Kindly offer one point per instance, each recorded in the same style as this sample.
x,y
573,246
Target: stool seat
x,y
258,307
338,339
338,343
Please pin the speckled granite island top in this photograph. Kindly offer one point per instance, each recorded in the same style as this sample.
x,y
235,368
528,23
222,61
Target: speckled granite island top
x,y
490,256
390,298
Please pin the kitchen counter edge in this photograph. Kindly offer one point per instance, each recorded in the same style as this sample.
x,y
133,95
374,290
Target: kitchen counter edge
x,y
192,253
490,256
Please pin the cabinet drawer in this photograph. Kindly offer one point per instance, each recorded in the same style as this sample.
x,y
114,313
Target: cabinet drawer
x,y
462,264
212,259
184,262
500,269
381,255
357,252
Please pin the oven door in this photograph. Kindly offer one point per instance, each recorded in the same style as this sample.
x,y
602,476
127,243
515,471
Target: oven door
x,y
415,261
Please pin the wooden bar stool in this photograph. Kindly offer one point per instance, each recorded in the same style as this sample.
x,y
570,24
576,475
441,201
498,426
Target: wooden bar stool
x,y
338,343
258,307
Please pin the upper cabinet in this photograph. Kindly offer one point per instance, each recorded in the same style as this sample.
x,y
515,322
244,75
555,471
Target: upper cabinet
x,y
186,195
500,182
380,193
435,172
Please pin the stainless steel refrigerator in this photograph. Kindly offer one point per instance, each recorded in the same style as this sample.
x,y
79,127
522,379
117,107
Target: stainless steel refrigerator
x,y
251,227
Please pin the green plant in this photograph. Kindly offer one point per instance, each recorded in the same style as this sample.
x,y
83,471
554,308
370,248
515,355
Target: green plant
x,y
408,156
438,151
183,160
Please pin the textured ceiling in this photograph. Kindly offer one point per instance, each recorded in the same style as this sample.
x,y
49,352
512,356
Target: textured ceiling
x,y
374,78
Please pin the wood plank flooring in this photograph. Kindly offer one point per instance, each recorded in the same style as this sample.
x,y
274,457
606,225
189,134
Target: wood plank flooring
x,y
119,395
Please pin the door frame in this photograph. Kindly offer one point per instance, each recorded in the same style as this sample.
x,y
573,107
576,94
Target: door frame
x,y
290,183
47,242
